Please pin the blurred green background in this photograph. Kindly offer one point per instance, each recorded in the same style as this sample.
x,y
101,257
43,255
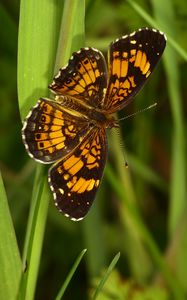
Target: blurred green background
x,y
141,211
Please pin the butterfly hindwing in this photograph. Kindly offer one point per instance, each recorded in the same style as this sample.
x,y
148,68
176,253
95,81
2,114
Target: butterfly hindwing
x,y
50,133
85,77
132,58
75,179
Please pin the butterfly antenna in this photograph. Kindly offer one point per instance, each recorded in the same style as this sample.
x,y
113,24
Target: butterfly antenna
x,y
139,111
121,144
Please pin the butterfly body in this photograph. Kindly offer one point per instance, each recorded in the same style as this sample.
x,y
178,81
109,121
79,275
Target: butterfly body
x,y
70,131
93,115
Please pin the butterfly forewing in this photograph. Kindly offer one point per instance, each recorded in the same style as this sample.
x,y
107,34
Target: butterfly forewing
x,y
132,58
75,179
85,77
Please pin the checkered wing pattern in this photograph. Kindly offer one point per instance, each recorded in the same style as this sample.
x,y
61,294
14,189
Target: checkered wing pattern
x,y
49,132
85,77
75,179
132,59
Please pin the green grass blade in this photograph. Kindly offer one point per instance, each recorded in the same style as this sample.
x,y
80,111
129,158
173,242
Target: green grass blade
x,y
72,31
36,52
35,235
10,261
156,24
70,275
39,25
106,275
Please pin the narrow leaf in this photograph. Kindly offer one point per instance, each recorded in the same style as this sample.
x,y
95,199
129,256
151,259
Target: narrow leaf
x,y
34,236
106,275
70,275
10,261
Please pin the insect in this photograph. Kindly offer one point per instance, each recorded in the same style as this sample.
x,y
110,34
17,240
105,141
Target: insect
x,y
70,131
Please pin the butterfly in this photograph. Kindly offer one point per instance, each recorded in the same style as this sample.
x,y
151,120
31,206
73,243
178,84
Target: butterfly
x,y
70,131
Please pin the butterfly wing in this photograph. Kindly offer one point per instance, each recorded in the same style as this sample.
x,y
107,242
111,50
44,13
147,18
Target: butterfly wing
x,y
85,77
132,59
49,132
75,179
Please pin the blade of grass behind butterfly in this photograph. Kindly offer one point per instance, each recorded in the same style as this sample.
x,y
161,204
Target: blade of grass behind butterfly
x,y
72,32
10,260
178,191
37,43
106,275
34,235
70,275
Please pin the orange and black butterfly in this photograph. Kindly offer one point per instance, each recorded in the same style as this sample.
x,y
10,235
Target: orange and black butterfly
x,y
70,131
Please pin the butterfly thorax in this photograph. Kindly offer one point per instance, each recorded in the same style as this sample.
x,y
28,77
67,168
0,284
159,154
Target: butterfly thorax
x,y
92,115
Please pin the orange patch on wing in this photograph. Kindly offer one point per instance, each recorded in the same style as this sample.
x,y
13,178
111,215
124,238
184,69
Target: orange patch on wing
x,y
60,146
80,182
133,52
47,108
87,78
131,79
91,159
91,185
72,182
56,134
126,84
138,59
116,67
57,140
124,68
76,168
97,73
72,160
95,165
143,61
57,121
146,68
